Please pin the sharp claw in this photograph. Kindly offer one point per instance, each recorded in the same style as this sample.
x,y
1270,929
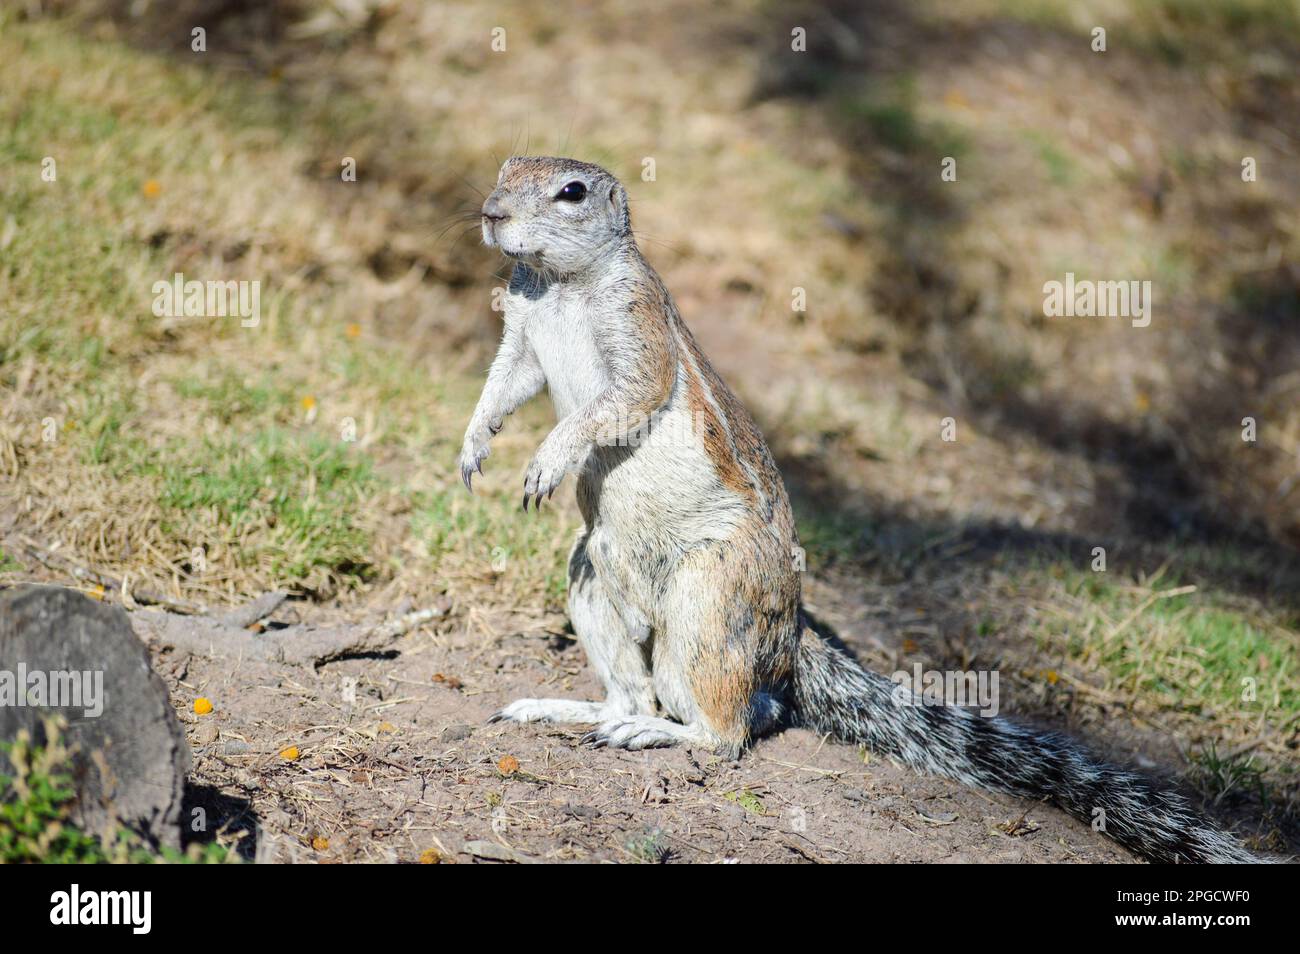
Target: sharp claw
x,y
525,501
496,717
467,471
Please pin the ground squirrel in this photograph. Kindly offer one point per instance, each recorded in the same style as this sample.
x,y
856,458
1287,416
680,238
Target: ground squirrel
x,y
683,587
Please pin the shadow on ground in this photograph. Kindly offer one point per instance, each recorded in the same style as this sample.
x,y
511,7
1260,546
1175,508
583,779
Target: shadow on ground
x,y
207,811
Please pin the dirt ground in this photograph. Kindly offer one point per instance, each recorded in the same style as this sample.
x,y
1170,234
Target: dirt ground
x,y
397,763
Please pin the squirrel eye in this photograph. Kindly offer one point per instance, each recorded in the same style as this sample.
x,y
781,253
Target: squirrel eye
x,y
573,192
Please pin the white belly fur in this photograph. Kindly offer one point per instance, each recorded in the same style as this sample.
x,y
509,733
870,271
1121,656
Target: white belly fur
x,y
642,526
561,336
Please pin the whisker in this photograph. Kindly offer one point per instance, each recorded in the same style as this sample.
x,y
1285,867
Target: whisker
x,y
568,136
471,186
652,240
456,221
459,238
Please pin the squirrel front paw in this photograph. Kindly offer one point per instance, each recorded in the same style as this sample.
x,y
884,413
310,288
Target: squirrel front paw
x,y
475,450
553,460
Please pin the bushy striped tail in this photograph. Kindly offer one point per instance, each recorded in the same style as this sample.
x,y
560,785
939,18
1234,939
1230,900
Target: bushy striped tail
x,y
835,696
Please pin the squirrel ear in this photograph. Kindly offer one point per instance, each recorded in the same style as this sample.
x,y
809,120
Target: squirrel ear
x,y
618,203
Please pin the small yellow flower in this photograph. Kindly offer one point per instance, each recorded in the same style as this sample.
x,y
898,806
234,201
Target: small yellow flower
x,y
290,754
1053,677
430,856
308,403
320,844
955,99
202,706
353,330
387,728
508,765
152,189
97,591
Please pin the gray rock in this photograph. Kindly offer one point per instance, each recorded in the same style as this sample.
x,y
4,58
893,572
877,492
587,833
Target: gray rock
x,y
130,756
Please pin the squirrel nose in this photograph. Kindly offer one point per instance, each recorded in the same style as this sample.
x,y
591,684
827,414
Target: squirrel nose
x,y
494,210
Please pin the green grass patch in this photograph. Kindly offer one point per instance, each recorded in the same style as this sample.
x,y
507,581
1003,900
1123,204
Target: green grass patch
x,y
889,114
1226,776
1194,33
277,496
488,533
649,846
831,536
747,800
76,279
36,798
1182,33
230,397
1188,652
1060,167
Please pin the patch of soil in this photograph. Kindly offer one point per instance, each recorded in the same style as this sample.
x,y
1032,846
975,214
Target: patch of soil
x,y
396,762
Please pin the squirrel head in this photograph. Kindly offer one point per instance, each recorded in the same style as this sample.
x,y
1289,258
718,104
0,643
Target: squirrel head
x,y
558,214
